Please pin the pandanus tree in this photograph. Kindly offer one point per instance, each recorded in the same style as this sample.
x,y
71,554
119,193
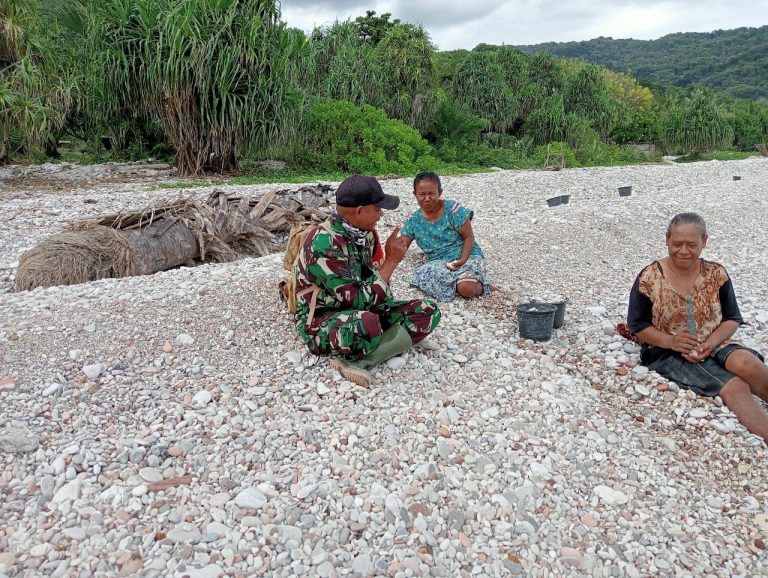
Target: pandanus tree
x,y
341,64
215,73
479,85
391,69
587,94
407,75
696,124
37,83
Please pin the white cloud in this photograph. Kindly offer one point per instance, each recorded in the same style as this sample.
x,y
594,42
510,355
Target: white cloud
x,y
439,13
464,24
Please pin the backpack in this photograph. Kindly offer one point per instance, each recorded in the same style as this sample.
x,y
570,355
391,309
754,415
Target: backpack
x,y
287,286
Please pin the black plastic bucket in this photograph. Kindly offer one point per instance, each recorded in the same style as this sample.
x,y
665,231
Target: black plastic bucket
x,y
559,312
536,320
736,178
555,201
625,191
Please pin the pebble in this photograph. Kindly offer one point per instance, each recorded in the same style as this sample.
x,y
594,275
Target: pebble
x,y
251,498
571,557
185,339
761,521
40,550
392,504
68,492
185,534
722,427
202,398
642,390
611,496
362,564
490,456
323,389
93,371
18,440
76,533
209,571
131,567
294,357
53,389
150,474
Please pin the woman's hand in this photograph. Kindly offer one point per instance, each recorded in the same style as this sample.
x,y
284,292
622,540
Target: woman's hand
x,y
684,343
703,351
455,265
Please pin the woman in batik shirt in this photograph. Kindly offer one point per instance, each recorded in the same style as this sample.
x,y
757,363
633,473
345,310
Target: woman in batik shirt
x,y
684,311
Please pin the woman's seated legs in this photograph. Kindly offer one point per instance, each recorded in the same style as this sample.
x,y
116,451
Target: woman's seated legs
x,y
737,395
710,378
435,279
748,367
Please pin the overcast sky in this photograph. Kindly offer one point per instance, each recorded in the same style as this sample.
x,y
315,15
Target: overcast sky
x,y
465,23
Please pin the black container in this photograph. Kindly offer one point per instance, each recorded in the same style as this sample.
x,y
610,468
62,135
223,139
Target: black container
x,y
559,312
625,191
536,324
736,178
555,201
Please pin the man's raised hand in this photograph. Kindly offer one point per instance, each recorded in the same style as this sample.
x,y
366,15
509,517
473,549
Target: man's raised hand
x,y
396,246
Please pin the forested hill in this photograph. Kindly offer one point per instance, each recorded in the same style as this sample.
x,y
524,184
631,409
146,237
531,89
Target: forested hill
x,y
731,61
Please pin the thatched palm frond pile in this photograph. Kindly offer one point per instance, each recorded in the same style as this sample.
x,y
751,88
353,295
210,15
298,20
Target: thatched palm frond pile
x,y
221,228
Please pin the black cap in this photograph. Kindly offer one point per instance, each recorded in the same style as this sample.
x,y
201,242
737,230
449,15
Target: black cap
x,y
359,190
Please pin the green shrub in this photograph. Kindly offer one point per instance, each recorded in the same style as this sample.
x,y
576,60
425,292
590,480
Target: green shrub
x,y
597,153
453,123
337,135
637,126
481,155
750,125
569,155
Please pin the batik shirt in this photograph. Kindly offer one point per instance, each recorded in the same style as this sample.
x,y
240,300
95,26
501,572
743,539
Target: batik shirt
x,y
342,270
653,302
441,239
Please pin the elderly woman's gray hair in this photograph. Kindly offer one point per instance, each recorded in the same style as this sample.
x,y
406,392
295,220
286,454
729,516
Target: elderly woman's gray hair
x,y
687,219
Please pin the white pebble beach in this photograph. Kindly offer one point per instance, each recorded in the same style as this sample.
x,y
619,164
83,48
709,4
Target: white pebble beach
x,y
173,425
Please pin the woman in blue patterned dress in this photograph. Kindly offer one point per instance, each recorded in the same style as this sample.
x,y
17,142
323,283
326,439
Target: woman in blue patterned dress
x,y
442,228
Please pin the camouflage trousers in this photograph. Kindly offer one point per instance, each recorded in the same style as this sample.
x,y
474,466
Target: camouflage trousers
x,y
353,333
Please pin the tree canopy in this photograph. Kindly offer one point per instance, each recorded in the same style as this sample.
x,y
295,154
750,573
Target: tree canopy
x,y
734,62
215,82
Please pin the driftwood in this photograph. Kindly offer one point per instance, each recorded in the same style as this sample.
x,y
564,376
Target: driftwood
x,y
222,228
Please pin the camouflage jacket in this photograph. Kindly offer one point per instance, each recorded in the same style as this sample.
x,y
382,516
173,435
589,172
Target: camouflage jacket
x,y
342,270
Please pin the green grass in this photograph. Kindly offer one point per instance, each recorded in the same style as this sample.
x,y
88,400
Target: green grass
x,y
288,176
718,156
81,155
295,176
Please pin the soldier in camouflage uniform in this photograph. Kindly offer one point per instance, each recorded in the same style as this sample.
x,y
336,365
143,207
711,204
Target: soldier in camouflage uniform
x,y
345,306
